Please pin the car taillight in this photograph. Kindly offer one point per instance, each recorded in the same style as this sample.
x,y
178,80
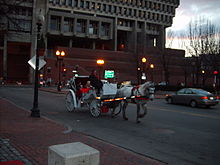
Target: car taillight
x,y
217,97
204,98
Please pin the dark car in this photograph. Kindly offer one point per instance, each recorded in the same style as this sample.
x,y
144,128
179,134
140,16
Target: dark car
x,y
193,97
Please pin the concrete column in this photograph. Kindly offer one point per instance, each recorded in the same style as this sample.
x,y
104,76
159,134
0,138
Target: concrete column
x,y
61,24
144,28
70,43
93,45
115,40
161,37
74,28
135,36
99,29
87,27
5,60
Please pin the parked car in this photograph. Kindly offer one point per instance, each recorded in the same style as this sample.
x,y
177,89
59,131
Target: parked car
x,y
193,97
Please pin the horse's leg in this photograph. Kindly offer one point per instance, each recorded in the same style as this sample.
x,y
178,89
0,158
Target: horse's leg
x,y
144,107
113,112
138,113
123,109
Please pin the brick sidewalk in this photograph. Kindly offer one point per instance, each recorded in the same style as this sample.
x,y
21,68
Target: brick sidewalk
x,y
32,137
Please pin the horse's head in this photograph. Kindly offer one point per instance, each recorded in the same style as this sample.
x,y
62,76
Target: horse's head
x,y
147,89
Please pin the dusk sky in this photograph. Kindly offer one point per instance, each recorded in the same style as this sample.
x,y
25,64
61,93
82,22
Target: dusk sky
x,y
191,9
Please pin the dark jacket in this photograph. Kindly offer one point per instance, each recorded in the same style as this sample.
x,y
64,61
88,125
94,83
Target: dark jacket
x,y
95,82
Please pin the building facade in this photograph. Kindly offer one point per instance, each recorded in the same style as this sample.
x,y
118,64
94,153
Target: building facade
x,y
119,31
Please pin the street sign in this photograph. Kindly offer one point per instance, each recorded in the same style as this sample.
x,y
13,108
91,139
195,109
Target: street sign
x,y
109,73
143,77
32,62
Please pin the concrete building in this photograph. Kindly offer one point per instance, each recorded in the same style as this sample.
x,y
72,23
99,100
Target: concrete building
x,y
119,31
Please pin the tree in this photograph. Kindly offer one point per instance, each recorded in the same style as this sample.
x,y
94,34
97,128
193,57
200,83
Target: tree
x,y
202,38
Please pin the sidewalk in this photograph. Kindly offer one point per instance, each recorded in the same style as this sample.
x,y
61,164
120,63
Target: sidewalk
x,y
27,139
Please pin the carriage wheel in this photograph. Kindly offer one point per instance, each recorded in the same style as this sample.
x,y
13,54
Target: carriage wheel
x,y
69,102
94,109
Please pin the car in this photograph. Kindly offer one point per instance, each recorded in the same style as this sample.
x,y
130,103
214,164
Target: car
x,y
163,83
193,97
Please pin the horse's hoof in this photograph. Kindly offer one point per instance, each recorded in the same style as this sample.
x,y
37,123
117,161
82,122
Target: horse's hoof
x,y
113,115
138,121
125,118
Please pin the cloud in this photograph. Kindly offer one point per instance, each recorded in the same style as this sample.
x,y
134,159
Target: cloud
x,y
192,9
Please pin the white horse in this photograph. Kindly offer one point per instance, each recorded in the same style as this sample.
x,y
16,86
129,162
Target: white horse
x,y
138,95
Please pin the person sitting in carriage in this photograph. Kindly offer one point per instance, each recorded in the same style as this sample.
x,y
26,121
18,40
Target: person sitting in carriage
x,y
95,81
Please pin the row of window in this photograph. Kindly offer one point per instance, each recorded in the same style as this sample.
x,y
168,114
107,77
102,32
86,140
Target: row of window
x,y
19,25
20,10
79,25
85,4
128,23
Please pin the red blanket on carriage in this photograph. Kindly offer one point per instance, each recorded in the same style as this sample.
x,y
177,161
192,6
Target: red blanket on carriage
x,y
81,91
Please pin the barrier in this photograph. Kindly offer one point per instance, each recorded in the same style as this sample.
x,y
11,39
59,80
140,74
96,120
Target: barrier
x,y
72,154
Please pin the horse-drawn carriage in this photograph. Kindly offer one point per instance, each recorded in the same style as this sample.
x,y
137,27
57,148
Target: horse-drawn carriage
x,y
80,95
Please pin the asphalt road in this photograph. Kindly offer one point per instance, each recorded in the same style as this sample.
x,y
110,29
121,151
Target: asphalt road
x,y
174,134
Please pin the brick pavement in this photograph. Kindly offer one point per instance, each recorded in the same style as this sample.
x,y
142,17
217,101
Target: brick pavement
x,y
31,137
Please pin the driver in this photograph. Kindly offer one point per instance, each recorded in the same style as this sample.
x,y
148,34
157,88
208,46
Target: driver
x,y
95,81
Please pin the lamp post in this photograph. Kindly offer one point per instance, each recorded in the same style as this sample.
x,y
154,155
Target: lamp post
x,y
100,63
35,112
203,78
143,76
60,55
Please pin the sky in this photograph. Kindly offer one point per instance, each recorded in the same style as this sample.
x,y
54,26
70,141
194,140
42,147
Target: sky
x,y
192,9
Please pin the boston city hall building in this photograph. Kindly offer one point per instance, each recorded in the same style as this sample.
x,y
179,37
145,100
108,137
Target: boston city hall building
x,y
128,35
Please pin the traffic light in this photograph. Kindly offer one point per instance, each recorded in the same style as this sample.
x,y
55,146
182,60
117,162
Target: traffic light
x,y
215,72
64,72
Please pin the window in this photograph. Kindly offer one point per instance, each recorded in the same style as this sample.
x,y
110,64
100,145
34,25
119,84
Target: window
x,y
68,25
81,4
70,2
55,23
105,29
93,5
63,2
87,4
93,27
81,26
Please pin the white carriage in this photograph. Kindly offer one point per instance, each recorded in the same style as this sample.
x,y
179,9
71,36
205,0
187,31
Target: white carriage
x,y
80,96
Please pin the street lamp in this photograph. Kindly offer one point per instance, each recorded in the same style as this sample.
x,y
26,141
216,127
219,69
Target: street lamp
x,y
203,78
100,63
60,55
35,112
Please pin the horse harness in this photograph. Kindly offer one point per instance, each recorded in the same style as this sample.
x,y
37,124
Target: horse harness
x,y
138,97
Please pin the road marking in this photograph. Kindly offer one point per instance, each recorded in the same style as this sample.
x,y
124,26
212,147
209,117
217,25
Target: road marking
x,y
188,113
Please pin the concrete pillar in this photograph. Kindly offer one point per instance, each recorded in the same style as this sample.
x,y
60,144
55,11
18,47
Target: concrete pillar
x,y
135,36
93,45
144,40
70,43
161,37
5,60
73,154
74,28
115,37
